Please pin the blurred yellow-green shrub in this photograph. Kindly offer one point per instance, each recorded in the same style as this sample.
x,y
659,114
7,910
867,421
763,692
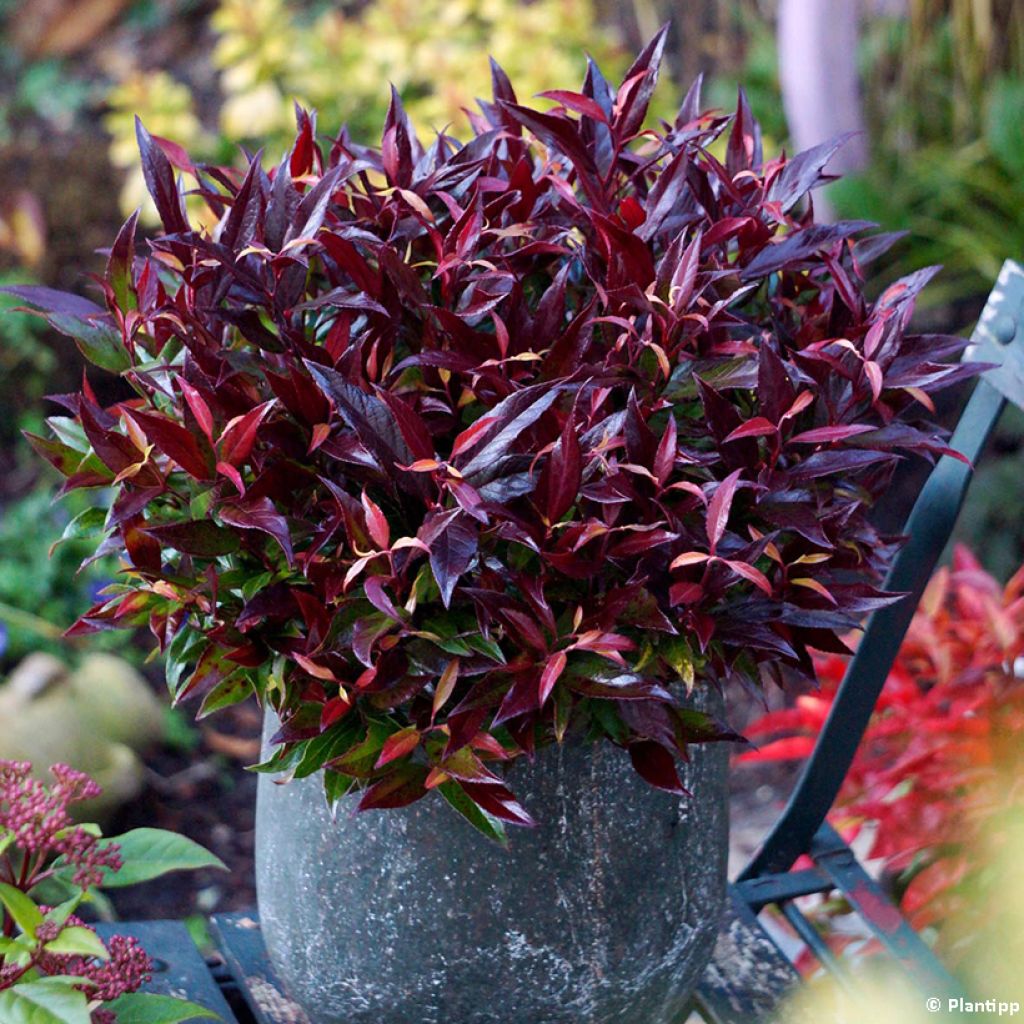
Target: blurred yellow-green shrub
x,y
990,975
167,109
270,54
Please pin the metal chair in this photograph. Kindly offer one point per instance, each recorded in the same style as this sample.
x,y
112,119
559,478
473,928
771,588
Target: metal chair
x,y
750,973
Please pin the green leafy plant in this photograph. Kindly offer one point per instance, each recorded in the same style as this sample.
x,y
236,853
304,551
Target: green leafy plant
x,y
42,585
450,453
54,968
944,90
25,363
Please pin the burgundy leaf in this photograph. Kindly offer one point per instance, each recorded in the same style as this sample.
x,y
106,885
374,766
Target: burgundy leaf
x,y
825,435
562,475
195,537
758,426
259,514
52,301
403,785
805,171
239,435
175,441
552,671
374,424
799,246
452,540
576,101
655,765
156,169
638,86
507,422
499,802
119,265
719,507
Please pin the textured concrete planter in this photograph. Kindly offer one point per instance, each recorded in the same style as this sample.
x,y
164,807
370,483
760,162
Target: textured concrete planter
x,y
605,913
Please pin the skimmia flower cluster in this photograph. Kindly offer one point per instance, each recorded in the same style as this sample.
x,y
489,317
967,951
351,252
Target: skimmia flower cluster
x,y
126,968
54,968
35,830
446,453
37,819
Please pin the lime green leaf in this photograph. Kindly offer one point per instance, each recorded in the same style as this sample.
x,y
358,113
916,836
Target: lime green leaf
x,y
77,941
59,914
147,1008
27,916
45,1001
8,946
148,853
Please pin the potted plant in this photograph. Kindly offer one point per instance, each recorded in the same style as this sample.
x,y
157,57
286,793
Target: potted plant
x,y
484,467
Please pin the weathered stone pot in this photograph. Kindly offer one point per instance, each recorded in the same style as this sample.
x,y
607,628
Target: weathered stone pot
x,y
607,912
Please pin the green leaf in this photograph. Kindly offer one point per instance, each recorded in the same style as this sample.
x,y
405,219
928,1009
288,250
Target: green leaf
x,y
99,342
148,853
316,752
281,760
1004,130
480,820
59,914
486,646
360,759
70,432
46,1001
336,785
17,946
26,915
86,524
182,654
149,1008
227,692
450,645
77,941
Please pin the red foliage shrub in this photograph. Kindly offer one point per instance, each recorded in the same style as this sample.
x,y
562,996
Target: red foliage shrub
x,y
446,452
942,751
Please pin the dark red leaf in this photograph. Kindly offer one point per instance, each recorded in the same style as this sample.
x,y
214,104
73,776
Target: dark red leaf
x,y
195,537
175,441
156,169
719,507
259,514
562,475
119,265
452,541
656,765
402,786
